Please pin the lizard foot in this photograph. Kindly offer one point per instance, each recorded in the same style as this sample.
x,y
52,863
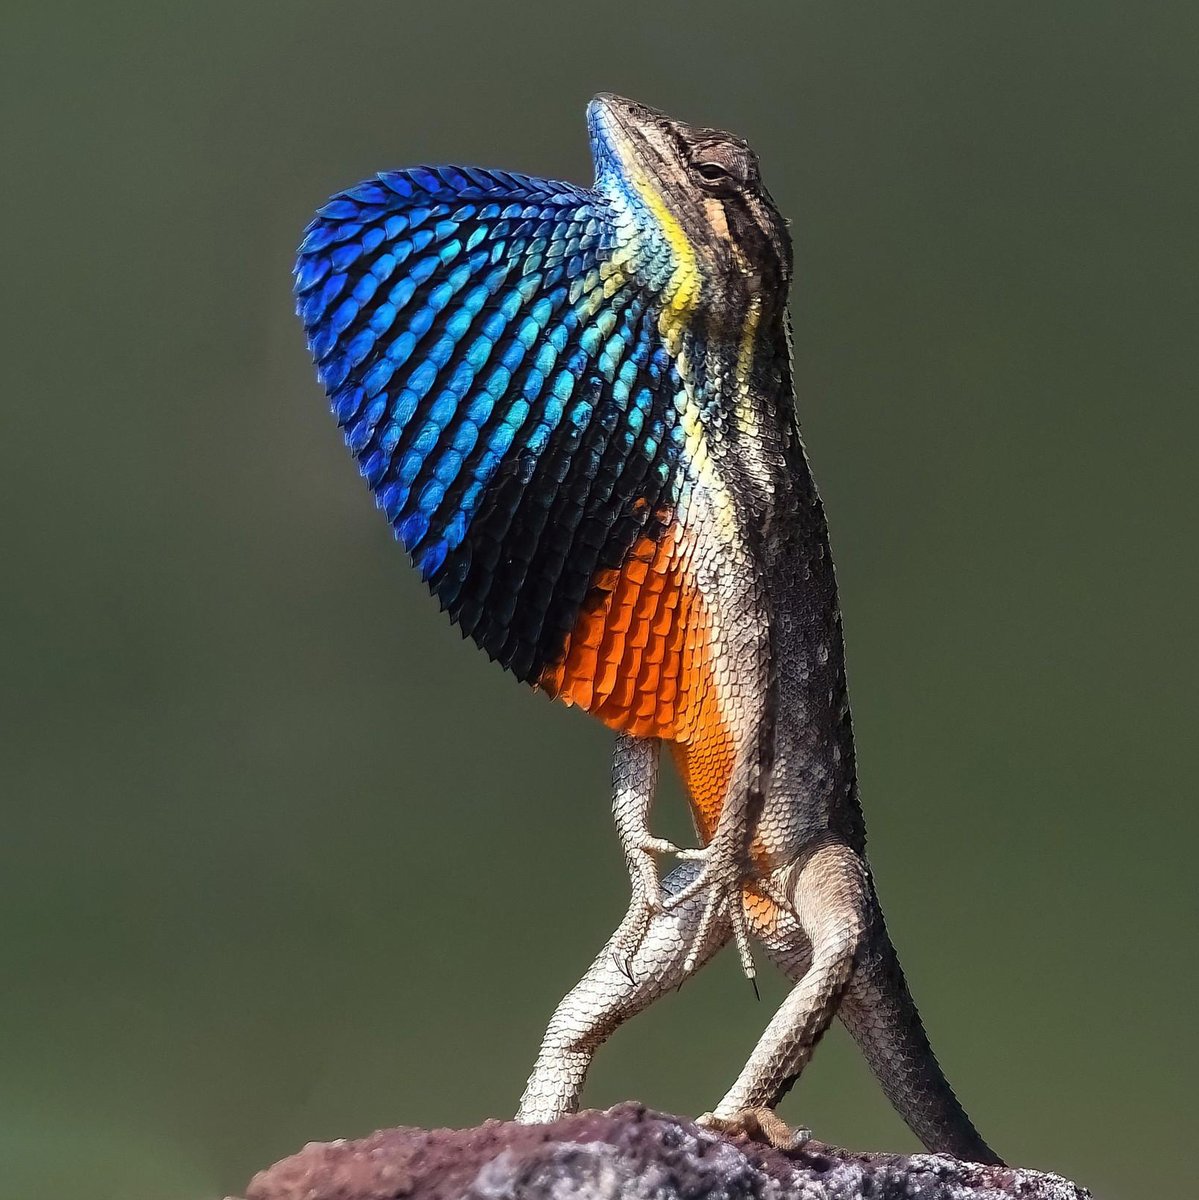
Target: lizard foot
x,y
759,1124
722,879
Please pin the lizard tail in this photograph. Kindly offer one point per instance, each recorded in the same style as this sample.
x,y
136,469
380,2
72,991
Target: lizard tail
x,y
878,1010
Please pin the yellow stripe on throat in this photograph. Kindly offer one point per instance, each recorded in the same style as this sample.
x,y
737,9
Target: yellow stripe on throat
x,y
681,294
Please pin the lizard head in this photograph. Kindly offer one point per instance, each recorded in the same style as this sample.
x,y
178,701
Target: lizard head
x,y
695,223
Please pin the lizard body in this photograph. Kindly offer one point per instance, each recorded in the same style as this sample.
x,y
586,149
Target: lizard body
x,y
576,408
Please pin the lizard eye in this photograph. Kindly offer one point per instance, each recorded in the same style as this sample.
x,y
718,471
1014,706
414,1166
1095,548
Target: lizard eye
x,y
722,164
713,172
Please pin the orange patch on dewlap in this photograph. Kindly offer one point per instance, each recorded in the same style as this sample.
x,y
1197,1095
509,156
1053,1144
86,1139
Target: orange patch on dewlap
x,y
640,659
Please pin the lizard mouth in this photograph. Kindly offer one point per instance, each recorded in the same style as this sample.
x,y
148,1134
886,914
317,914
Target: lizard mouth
x,y
623,132
608,113
623,110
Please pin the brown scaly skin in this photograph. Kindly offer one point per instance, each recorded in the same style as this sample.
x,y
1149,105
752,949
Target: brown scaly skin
x,y
784,859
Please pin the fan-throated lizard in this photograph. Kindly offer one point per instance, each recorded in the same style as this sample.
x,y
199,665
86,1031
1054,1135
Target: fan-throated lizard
x,y
575,406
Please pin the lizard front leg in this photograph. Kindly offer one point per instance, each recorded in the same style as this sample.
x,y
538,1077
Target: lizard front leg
x,y
634,783
725,869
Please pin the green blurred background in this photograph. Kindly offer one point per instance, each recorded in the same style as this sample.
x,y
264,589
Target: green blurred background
x,y
284,859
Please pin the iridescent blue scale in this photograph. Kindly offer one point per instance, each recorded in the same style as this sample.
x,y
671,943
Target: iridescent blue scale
x,y
517,425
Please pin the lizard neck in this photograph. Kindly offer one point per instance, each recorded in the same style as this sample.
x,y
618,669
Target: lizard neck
x,y
741,419
757,451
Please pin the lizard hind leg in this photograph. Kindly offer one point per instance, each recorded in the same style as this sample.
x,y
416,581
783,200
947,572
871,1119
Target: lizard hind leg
x,y
816,941
773,924
608,995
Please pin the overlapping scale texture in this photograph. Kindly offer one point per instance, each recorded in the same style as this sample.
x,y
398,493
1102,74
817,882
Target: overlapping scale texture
x,y
508,398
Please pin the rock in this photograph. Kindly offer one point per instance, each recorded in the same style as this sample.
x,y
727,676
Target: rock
x,y
629,1153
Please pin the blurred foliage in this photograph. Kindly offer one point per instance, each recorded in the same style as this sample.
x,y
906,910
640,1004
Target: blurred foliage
x,y
284,859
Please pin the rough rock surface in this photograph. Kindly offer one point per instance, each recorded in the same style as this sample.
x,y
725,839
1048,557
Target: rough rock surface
x,y
631,1153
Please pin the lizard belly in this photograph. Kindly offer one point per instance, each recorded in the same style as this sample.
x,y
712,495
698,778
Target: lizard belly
x,y
660,650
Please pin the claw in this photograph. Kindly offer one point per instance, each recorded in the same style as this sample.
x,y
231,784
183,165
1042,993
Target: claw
x,y
628,938
721,902
741,938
